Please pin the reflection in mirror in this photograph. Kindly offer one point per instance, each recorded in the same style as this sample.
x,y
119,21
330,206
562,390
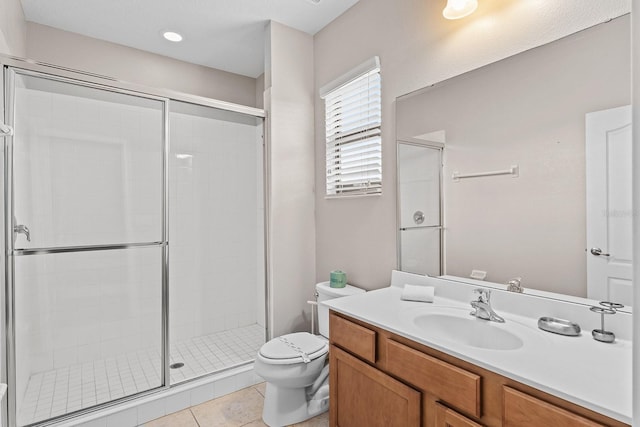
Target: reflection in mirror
x,y
419,208
536,166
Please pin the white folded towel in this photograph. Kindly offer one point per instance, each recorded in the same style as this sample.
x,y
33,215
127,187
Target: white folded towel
x,y
418,293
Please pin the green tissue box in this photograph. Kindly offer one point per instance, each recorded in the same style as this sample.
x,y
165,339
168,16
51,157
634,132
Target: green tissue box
x,y
338,279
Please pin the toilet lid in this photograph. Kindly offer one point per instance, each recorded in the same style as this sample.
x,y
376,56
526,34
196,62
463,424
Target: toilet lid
x,y
299,344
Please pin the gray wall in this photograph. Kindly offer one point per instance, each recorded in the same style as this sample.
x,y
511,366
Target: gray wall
x,y
289,105
76,51
260,91
528,110
13,29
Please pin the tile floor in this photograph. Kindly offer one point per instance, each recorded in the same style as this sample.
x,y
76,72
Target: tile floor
x,y
240,409
60,391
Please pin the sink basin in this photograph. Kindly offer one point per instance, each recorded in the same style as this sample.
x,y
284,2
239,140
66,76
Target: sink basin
x,y
468,331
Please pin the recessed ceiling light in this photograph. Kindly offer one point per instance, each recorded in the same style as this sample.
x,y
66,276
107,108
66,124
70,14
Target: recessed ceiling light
x,y
172,36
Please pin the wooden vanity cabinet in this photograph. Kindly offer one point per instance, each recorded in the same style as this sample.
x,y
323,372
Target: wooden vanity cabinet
x,y
382,379
369,397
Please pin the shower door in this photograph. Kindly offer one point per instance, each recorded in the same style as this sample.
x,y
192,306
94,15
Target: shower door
x,y
85,245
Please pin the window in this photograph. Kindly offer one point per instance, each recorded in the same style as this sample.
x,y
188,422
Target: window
x,y
353,142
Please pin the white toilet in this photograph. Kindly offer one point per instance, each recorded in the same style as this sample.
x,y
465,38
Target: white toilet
x,y
296,368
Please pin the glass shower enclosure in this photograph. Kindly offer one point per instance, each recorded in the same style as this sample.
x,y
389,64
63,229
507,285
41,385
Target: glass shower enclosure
x,y
134,243
420,208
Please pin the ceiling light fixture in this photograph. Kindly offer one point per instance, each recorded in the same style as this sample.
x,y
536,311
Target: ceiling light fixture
x,y
457,9
172,36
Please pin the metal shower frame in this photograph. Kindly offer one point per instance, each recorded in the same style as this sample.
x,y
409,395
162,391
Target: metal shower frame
x,y
11,66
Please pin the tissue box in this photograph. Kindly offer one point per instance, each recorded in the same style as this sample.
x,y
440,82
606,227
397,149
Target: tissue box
x,y
338,279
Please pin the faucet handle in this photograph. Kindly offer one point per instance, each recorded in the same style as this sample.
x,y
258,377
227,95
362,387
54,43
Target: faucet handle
x,y
484,295
515,285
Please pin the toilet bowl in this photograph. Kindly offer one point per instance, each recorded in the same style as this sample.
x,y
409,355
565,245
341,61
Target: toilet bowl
x,y
296,369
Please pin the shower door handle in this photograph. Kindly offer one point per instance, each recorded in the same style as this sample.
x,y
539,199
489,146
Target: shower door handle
x,y
22,229
5,130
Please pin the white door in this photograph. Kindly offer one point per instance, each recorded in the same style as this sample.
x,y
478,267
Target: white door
x,y
609,209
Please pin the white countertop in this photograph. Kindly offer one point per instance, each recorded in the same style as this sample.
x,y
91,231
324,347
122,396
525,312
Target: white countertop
x,y
578,369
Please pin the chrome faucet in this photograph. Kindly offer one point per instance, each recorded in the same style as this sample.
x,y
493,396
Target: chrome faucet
x,y
515,285
482,306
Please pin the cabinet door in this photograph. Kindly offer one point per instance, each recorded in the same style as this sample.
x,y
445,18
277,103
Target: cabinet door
x,y
361,395
446,417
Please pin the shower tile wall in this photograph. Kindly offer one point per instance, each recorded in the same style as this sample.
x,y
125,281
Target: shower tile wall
x,y
89,170
216,225
73,308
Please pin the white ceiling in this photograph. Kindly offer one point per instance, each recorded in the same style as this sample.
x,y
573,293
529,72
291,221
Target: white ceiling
x,y
223,34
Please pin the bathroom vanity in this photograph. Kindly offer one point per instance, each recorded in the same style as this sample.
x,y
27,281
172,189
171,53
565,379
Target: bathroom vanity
x,y
390,368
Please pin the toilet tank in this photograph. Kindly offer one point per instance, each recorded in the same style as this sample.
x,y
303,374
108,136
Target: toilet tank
x,y
326,292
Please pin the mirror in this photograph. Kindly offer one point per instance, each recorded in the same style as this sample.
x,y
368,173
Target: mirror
x,y
536,168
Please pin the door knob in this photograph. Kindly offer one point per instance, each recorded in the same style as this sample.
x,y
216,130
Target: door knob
x,y
598,252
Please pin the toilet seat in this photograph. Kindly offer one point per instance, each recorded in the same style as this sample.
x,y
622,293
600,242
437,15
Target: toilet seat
x,y
298,347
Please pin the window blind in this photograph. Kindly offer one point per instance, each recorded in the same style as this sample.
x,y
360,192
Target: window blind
x,y
353,139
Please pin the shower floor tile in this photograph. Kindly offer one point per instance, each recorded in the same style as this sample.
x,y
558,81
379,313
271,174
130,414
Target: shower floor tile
x,y
61,391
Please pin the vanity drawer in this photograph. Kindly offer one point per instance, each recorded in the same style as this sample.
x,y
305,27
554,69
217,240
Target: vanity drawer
x,y
522,410
446,417
453,385
352,337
